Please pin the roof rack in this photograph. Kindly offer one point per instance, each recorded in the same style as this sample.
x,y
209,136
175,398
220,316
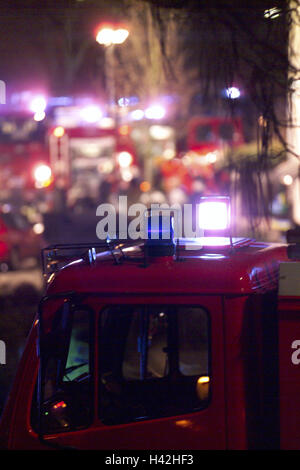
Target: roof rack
x,y
55,257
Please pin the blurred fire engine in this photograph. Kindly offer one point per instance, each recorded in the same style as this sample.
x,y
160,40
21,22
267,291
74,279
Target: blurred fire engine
x,y
201,156
87,150
24,162
70,151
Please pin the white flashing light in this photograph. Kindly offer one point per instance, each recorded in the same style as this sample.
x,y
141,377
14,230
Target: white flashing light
x,y
137,114
125,159
91,114
160,132
42,175
155,112
232,93
211,157
123,102
107,123
39,116
214,214
287,180
38,104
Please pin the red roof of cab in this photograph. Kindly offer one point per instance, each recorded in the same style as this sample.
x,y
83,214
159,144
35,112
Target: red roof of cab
x,y
250,268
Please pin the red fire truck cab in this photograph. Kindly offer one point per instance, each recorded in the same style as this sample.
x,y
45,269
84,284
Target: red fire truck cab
x,y
203,154
212,133
177,344
24,155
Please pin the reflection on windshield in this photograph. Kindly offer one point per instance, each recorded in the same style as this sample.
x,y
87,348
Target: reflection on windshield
x,y
153,361
13,130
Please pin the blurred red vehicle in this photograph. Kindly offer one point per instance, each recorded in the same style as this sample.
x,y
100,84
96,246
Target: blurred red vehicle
x,y
19,240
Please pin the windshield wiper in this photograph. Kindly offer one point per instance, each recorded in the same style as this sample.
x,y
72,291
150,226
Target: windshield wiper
x,y
77,366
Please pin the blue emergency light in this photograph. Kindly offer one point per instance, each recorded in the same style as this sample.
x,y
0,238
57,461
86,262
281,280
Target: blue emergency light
x,y
213,221
159,228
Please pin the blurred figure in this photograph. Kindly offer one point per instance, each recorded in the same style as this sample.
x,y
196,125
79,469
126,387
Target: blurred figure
x,y
105,189
134,192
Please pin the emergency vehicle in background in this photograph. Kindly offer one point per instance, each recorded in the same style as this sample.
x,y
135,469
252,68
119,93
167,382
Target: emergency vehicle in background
x,y
69,148
203,153
24,155
163,343
86,150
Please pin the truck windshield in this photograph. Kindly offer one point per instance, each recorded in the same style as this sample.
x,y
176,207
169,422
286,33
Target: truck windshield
x,y
154,361
15,129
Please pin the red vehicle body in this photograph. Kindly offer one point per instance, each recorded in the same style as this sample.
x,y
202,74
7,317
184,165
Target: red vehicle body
x,y
23,147
212,133
83,156
18,240
194,349
207,141
76,158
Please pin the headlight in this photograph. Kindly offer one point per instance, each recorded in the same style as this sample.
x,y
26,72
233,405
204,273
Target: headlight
x,y
42,176
125,159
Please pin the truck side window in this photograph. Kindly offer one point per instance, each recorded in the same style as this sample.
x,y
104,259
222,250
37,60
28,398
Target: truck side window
x,y
153,362
67,403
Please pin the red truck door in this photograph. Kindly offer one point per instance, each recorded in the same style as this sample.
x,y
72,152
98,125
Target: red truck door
x,y
289,355
185,411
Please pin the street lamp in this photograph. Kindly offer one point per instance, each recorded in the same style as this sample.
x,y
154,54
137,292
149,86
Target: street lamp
x,y
109,36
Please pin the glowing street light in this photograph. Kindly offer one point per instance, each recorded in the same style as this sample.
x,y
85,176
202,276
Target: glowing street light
x,y
109,36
